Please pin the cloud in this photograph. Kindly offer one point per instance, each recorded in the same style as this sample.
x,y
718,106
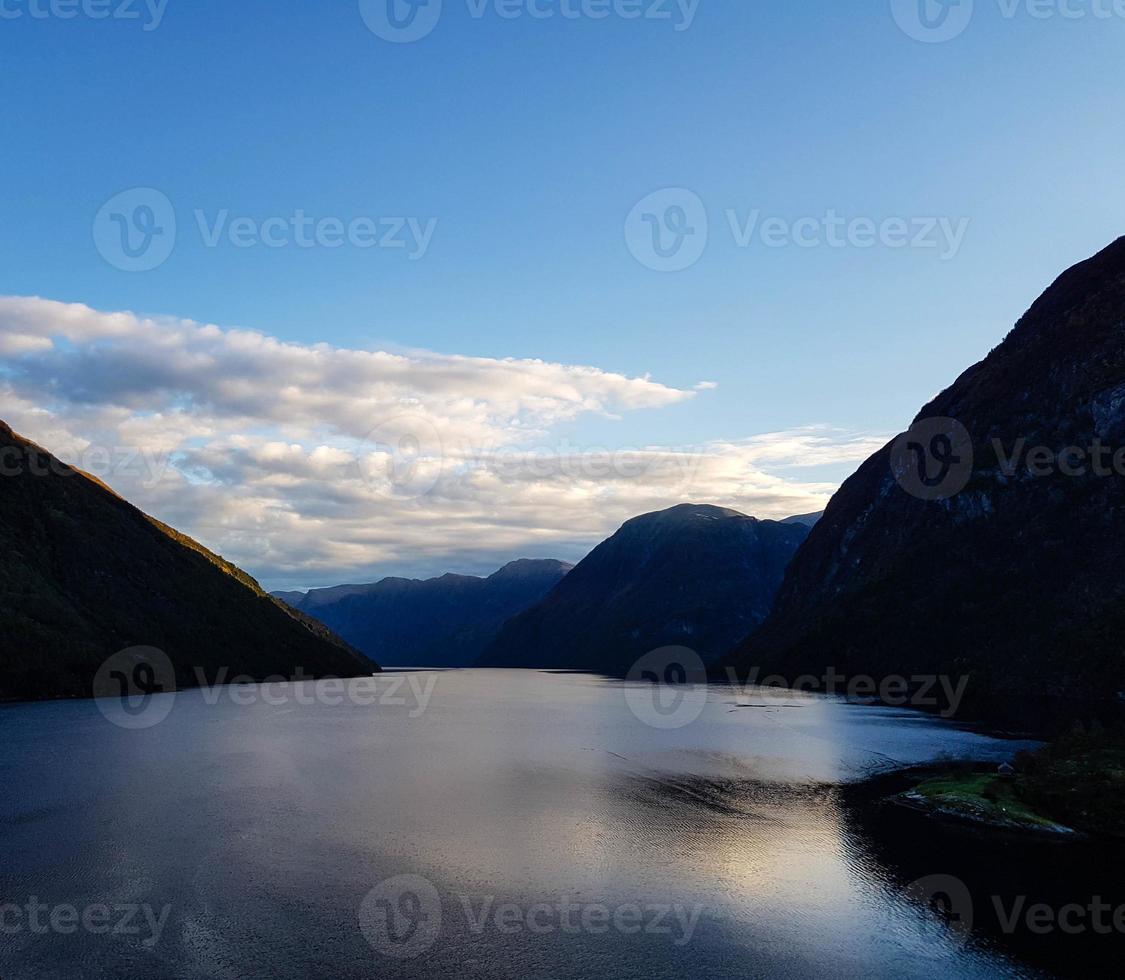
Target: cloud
x,y
313,464
20,343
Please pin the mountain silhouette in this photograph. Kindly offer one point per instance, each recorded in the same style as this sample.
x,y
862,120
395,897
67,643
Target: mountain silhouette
x,y
440,622
695,576
86,574
986,542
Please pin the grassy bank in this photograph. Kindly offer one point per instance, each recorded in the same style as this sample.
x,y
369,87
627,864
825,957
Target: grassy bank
x,y
1076,784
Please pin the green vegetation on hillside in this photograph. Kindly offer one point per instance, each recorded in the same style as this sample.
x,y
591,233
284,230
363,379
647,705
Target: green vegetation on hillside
x,y
985,797
1076,783
1079,780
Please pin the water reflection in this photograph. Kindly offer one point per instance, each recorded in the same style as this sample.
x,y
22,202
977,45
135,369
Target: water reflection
x,y
266,826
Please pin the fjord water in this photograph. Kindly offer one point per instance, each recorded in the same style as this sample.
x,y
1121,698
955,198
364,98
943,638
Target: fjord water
x,y
724,848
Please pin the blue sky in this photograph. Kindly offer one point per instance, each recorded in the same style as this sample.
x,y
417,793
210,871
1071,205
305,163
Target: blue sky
x,y
530,140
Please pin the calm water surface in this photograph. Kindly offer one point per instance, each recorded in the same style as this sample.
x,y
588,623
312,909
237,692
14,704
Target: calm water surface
x,y
266,831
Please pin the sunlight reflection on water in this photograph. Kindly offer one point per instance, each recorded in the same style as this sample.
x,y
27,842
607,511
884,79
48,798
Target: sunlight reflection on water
x,y
265,826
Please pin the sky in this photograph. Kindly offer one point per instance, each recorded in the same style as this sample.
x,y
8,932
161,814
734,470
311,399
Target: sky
x,y
350,289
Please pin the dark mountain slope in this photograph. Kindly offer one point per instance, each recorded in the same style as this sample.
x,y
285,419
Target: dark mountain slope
x,y
1016,578
85,574
694,576
440,622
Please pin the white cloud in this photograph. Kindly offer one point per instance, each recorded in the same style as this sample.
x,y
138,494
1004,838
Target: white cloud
x,y
21,343
312,464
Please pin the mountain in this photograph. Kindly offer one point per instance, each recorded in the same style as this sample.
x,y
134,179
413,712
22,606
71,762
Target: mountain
x,y
85,575
293,599
440,622
808,520
969,546
694,576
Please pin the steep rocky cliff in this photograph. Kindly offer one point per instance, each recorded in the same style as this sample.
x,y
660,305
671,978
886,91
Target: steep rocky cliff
x,y
988,540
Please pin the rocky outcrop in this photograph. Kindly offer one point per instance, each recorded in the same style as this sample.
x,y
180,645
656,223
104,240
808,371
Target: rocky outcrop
x,y
985,542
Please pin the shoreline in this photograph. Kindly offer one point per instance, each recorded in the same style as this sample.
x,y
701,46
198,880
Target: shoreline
x,y
1066,791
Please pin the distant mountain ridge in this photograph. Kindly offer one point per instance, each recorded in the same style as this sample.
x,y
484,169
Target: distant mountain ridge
x,y
694,575
439,622
1009,576
85,574
809,520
